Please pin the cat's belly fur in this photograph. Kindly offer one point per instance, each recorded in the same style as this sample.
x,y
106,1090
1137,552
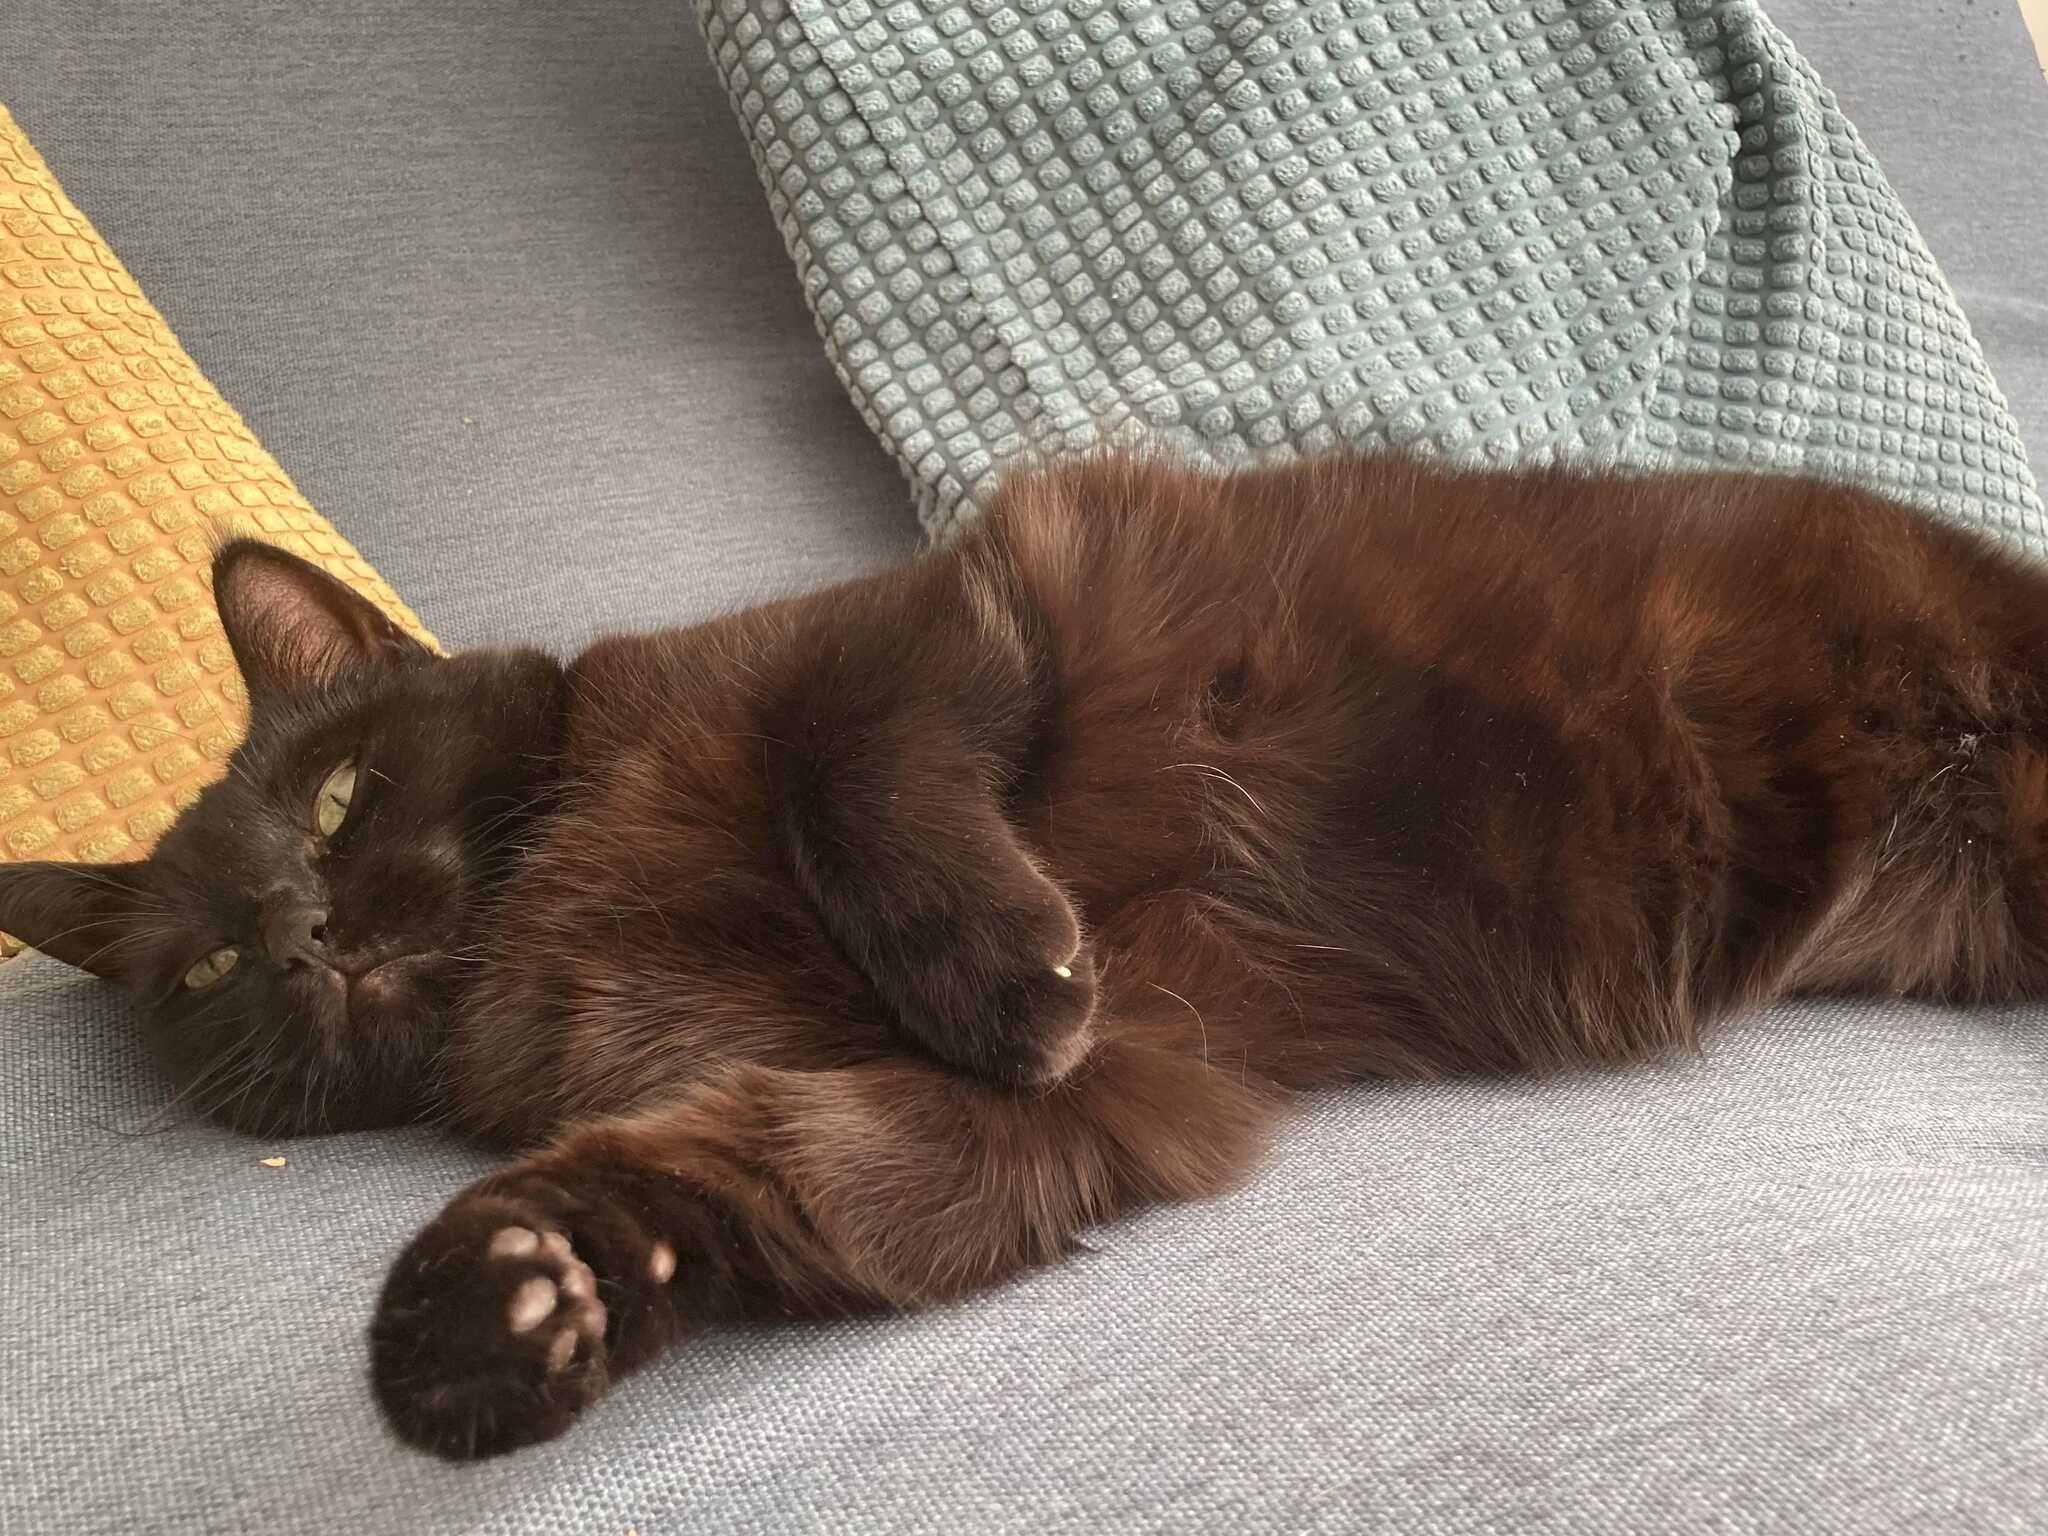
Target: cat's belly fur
x,y
1438,783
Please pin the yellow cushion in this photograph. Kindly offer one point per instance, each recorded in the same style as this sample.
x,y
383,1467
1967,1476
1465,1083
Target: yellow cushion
x,y
120,466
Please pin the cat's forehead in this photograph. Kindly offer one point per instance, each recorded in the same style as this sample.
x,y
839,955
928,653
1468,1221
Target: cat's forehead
x,y
415,711
229,838
282,745
259,803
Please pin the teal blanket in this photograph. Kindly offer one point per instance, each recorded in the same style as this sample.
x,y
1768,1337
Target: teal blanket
x,y
1507,229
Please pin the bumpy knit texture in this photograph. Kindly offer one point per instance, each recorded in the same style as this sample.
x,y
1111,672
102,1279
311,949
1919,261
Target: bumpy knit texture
x,y
1510,229
119,467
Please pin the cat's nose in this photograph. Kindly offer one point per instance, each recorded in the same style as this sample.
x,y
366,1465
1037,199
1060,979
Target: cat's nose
x,y
298,936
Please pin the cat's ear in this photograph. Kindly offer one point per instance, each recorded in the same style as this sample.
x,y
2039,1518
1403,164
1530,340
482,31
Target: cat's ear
x,y
291,625
87,915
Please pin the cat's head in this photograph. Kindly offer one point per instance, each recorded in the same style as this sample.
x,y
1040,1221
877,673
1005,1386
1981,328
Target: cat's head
x,y
298,939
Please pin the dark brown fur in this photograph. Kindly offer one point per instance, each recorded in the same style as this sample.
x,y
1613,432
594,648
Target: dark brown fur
x,y
746,934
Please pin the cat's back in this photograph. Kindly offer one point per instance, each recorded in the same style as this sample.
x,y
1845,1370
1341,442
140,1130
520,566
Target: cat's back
x,y
1147,569
1136,560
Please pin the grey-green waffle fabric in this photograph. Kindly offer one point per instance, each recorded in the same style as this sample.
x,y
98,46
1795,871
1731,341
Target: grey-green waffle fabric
x,y
1503,229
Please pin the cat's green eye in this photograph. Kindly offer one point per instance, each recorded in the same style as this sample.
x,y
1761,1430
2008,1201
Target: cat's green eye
x,y
207,971
330,810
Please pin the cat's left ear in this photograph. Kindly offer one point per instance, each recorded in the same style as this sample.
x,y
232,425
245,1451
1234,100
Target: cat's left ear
x,y
291,625
87,915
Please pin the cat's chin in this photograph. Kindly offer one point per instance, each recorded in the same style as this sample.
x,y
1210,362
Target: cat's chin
x,y
401,1001
398,983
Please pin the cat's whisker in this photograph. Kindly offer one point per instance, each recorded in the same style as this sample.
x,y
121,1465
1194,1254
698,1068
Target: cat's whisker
x,y
221,1071
1211,771
1200,1022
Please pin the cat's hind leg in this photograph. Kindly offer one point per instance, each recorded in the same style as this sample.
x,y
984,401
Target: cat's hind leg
x,y
1950,901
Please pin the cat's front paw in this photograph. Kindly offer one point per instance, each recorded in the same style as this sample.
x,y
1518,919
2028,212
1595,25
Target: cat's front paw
x,y
1043,1018
490,1334
1011,997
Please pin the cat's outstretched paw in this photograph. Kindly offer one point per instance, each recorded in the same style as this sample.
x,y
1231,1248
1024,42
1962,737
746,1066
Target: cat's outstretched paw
x,y
490,1334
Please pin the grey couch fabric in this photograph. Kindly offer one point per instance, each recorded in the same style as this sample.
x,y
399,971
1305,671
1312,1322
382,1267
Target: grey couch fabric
x,y
496,283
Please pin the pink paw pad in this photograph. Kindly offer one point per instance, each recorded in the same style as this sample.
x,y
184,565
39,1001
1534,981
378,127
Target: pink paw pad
x,y
565,1296
661,1263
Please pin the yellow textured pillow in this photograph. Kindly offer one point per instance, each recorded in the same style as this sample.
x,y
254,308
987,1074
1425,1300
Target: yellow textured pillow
x,y
119,467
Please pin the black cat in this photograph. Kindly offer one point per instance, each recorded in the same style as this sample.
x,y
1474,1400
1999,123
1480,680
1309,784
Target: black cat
x,y
861,949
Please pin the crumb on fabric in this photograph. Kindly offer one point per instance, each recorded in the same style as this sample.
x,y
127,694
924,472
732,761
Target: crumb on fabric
x,y
273,1162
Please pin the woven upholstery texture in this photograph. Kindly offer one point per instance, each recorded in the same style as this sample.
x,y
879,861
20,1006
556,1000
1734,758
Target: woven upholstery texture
x,y
120,466
1502,228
